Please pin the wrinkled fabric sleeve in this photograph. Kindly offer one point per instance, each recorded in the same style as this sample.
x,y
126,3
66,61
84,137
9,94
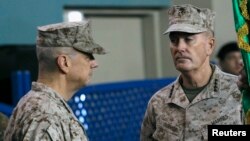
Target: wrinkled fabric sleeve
x,y
148,125
44,130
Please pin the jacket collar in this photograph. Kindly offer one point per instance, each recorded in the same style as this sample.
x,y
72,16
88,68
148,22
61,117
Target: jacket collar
x,y
212,90
51,93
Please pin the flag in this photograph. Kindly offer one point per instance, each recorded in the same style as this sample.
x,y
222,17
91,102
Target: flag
x,y
242,23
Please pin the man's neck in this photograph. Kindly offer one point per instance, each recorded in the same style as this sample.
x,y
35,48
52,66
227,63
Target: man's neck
x,y
59,85
197,78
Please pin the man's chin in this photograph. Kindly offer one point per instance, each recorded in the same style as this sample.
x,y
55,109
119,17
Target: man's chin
x,y
182,67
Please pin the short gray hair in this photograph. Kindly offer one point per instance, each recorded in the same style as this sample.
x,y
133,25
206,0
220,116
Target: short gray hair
x,y
46,56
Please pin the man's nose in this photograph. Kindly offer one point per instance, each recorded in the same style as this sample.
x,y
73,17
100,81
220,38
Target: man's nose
x,y
240,62
181,45
94,64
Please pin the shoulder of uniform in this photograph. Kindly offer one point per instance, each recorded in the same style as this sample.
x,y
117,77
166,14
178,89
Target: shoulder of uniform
x,y
27,111
229,77
228,85
41,103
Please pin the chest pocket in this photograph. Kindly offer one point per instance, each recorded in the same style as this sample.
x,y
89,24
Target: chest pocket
x,y
167,132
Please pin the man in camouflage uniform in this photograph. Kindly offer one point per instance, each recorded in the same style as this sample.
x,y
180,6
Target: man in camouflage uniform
x,y
202,95
66,63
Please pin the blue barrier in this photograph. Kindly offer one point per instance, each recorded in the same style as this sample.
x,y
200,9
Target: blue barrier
x,y
26,81
21,84
6,109
114,111
17,86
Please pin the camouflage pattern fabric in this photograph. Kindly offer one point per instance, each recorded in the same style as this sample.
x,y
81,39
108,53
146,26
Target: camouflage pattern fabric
x,y
171,117
69,34
42,115
3,125
190,19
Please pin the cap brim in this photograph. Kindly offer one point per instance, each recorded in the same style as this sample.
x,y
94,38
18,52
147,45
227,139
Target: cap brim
x,y
93,49
185,28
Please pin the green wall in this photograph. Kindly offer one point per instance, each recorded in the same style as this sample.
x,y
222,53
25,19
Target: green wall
x,y
20,18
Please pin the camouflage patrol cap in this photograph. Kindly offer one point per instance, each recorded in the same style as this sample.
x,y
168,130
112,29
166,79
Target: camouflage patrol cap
x,y
69,34
190,19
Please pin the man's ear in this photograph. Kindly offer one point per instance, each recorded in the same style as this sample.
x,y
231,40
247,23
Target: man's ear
x,y
63,63
211,45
